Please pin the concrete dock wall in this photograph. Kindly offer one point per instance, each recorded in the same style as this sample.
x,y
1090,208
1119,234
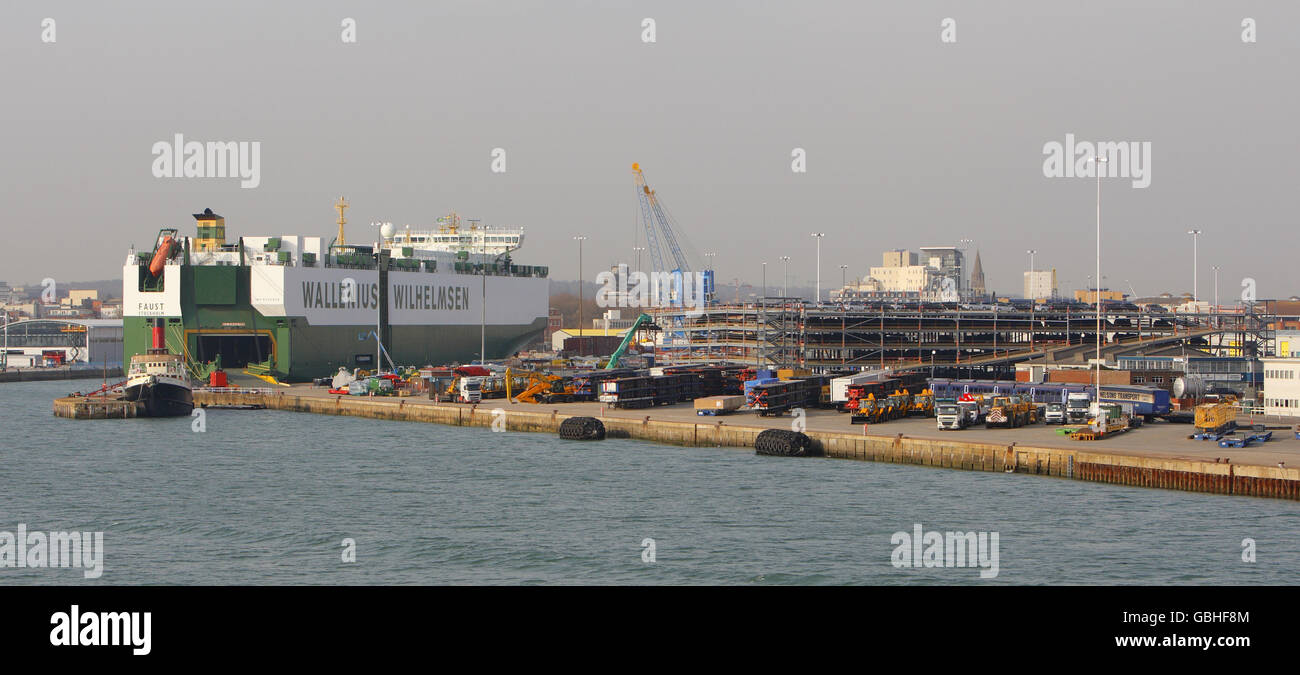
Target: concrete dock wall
x,y
96,408
1089,465
43,374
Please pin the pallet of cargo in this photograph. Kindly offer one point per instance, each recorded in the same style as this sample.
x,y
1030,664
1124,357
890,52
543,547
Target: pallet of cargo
x,y
585,385
1216,417
710,380
774,398
718,405
1090,434
628,392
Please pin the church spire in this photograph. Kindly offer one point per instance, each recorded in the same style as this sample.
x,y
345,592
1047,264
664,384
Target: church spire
x,y
977,277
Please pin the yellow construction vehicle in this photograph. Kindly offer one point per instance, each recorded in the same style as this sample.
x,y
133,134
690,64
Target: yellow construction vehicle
x,y
1033,413
922,404
898,404
869,411
539,388
1007,411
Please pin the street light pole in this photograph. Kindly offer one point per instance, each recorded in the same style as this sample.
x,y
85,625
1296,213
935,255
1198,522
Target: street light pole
x,y
482,331
1031,253
1196,235
1097,162
1216,293
712,291
844,280
785,276
1216,285
580,238
636,254
817,292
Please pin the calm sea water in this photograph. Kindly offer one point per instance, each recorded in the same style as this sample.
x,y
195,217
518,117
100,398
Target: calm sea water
x,y
265,497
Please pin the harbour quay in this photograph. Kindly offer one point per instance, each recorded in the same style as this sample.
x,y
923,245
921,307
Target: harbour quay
x,y
1159,455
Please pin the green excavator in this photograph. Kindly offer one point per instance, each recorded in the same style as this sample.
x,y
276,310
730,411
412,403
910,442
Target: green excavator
x,y
640,322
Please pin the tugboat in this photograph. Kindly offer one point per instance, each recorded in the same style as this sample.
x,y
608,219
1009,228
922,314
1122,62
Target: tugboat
x,y
159,380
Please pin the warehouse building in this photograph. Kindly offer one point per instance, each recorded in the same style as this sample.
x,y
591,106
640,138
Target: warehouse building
x,y
80,343
1282,386
1040,284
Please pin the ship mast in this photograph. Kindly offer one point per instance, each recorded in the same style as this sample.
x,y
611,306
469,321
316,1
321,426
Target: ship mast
x,y
341,206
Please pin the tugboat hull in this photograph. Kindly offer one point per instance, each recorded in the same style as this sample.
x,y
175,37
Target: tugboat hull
x,y
162,400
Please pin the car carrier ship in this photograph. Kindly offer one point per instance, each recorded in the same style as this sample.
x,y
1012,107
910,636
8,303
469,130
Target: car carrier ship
x,y
289,308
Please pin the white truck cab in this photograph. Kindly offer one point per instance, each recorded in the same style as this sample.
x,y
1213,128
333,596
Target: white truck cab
x,y
470,389
950,416
1077,407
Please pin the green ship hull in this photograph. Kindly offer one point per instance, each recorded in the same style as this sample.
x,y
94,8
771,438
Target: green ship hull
x,y
216,319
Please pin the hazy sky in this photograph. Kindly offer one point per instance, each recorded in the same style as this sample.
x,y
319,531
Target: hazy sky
x,y
910,141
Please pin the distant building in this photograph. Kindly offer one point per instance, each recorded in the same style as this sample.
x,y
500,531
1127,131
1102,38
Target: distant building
x,y
559,336
900,274
1166,301
554,321
1089,296
900,258
977,287
1040,284
948,262
613,319
1220,374
11,294
79,298
1286,343
909,279
67,312
1285,312
1282,386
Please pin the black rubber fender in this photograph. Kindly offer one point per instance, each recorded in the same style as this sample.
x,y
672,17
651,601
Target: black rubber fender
x,y
582,429
783,443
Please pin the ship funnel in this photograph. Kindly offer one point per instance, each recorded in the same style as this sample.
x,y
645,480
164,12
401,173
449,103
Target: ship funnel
x,y
211,231
158,336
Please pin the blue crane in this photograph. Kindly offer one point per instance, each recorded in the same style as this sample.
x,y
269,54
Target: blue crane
x,y
660,227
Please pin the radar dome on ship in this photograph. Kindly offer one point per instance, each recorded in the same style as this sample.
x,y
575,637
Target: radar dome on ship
x,y
386,230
